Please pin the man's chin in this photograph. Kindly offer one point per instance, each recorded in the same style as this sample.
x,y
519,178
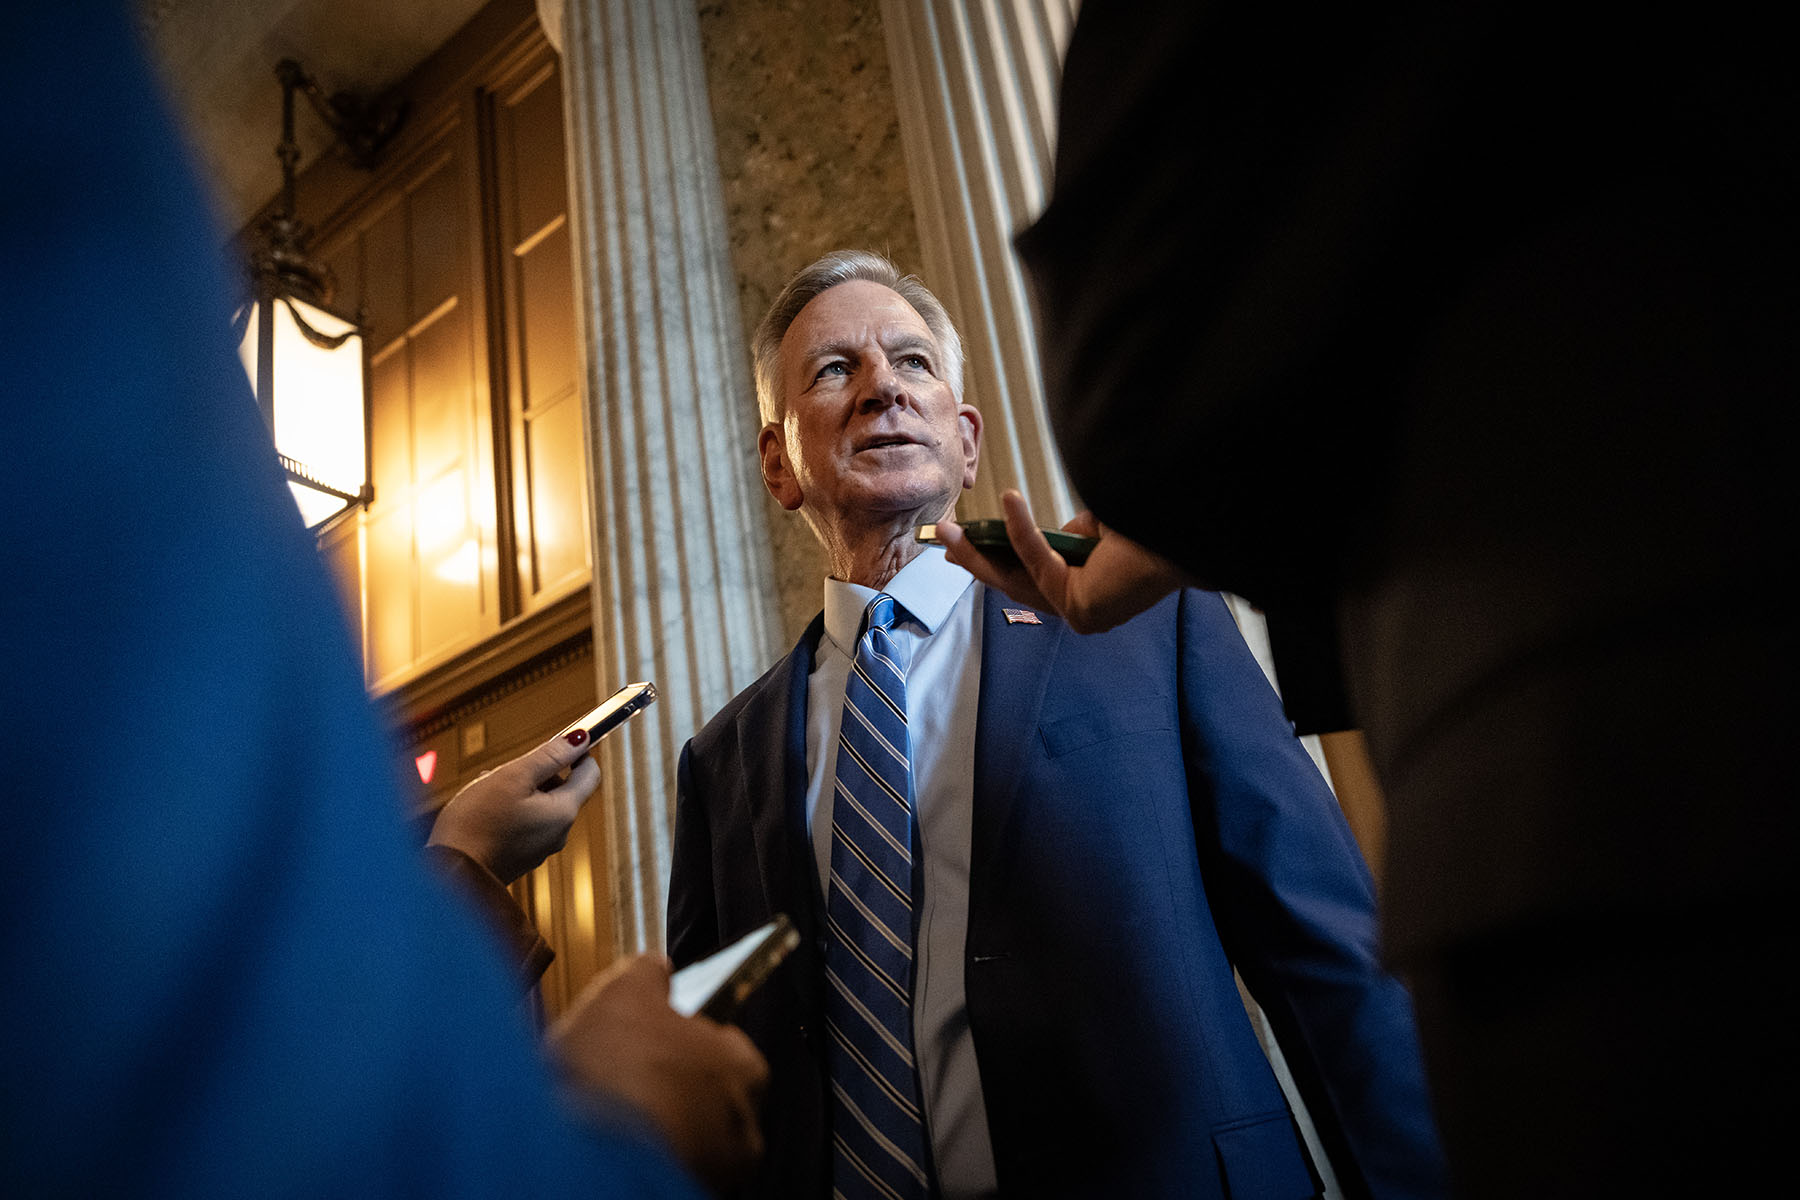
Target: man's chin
x,y
901,494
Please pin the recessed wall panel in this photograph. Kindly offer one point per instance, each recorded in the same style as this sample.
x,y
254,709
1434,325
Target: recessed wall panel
x,y
558,496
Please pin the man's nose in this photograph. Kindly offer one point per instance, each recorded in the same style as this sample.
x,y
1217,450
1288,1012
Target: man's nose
x,y
883,386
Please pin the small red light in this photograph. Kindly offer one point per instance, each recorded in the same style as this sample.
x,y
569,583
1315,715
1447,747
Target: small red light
x,y
427,764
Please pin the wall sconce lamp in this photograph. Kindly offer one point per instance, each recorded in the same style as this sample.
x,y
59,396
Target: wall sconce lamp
x,y
305,359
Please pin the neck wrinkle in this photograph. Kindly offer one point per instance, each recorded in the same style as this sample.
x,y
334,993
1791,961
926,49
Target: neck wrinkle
x,y
873,556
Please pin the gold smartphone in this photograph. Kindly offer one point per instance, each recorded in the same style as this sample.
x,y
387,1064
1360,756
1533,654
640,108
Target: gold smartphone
x,y
623,704
718,984
603,719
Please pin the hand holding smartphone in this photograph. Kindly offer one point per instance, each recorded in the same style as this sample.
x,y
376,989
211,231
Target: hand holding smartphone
x,y
623,704
989,536
606,717
718,984
500,822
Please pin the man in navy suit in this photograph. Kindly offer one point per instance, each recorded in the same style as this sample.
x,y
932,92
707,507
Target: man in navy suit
x,y
1097,830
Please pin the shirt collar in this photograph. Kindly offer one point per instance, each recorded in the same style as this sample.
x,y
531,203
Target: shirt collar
x,y
926,589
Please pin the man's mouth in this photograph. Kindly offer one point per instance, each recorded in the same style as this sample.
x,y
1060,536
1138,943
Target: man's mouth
x,y
884,441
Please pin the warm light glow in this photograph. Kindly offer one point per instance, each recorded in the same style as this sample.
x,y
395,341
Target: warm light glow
x,y
441,519
427,764
582,888
542,910
318,403
462,566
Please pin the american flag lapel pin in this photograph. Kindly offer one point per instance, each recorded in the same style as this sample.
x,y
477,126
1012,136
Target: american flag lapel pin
x,y
1020,616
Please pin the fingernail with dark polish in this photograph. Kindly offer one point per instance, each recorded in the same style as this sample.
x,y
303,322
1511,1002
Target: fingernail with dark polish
x,y
577,736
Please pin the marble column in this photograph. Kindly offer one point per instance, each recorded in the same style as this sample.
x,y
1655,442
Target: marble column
x,y
976,84
683,592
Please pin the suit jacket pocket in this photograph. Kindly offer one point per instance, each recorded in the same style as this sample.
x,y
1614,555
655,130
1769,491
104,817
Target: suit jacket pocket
x,y
1262,1160
1106,722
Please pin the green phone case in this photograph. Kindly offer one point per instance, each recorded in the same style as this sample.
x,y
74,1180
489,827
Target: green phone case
x,y
989,536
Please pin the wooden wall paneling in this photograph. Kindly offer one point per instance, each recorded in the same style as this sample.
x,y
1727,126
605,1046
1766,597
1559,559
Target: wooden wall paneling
x,y
389,609
381,235
550,517
445,354
429,582
471,352
389,641
388,624
485,505
342,549
537,893
508,556
471,568
435,230
558,509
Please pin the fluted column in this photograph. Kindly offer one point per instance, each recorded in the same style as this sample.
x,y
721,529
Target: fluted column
x,y
976,84
683,591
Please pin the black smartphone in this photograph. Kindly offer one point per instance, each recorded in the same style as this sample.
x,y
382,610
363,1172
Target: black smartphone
x,y
718,984
989,536
619,707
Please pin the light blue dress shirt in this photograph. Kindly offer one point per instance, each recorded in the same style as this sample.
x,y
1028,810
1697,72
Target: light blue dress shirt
x,y
938,626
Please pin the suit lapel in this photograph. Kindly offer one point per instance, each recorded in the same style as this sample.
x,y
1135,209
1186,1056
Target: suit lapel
x,y
775,785
1016,662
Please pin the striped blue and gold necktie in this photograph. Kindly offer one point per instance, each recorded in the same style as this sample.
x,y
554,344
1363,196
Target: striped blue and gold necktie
x,y
878,1130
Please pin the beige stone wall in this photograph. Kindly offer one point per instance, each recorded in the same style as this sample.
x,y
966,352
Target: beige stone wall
x,y
810,160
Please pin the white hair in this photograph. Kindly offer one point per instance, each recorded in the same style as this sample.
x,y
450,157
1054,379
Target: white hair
x,y
842,266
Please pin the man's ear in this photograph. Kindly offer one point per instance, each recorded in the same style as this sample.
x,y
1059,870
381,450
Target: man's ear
x,y
969,422
777,472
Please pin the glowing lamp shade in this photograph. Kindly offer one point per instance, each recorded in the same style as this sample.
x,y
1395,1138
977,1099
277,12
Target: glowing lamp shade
x,y
309,385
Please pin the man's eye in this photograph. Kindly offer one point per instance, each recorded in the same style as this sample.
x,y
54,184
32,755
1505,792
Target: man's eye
x,y
833,368
917,362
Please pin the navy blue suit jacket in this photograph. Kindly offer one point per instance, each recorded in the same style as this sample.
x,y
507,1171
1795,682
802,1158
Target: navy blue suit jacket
x,y
1144,820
